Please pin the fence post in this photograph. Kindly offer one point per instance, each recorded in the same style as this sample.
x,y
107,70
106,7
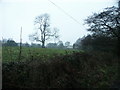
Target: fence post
x,y
20,50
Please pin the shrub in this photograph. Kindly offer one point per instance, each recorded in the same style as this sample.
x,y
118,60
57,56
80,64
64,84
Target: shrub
x,y
75,70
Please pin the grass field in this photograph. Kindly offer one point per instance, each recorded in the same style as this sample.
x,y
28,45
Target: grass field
x,y
12,53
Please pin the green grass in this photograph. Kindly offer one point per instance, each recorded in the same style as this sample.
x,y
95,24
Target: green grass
x,y
12,53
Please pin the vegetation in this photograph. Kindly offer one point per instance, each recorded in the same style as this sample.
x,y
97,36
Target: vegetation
x,y
9,42
105,35
71,70
96,66
105,31
107,24
28,53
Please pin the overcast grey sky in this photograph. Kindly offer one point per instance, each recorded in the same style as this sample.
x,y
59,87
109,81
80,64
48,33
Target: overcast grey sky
x,y
17,13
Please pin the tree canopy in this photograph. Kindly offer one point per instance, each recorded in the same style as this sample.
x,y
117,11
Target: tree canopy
x,y
106,22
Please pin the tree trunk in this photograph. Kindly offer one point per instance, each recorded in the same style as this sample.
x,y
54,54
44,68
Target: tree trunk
x,y
43,44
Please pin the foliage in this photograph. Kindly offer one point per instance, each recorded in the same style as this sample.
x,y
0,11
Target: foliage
x,y
9,42
71,70
99,43
77,44
35,45
60,44
67,44
105,32
106,23
51,45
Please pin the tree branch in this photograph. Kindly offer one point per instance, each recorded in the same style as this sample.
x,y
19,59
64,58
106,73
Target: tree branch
x,y
110,28
39,40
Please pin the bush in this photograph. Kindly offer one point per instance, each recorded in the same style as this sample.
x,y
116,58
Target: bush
x,y
76,70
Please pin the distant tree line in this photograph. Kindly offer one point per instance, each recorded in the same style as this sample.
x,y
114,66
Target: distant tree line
x,y
11,42
59,44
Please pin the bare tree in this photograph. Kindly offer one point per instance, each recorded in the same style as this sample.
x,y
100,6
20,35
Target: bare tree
x,y
44,33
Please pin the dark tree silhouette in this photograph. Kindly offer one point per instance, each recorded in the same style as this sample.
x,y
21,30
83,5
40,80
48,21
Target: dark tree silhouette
x,y
106,23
